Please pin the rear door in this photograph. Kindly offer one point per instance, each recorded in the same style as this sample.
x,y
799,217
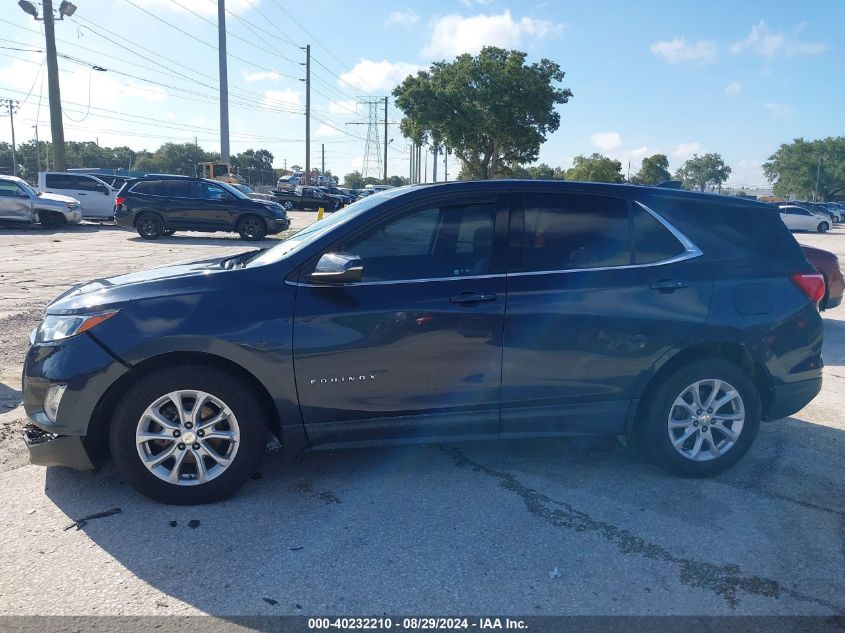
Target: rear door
x,y
599,289
414,350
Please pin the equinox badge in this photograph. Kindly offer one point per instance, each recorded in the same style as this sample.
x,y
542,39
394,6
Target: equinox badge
x,y
339,379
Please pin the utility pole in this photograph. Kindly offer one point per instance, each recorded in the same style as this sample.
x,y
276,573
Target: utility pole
x,y
411,166
323,152
224,81
308,114
385,140
56,127
818,171
445,164
434,152
37,150
12,105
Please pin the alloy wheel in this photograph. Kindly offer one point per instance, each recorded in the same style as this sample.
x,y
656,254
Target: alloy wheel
x,y
187,437
706,419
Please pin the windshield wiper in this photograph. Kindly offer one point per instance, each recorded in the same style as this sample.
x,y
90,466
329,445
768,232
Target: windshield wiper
x,y
239,261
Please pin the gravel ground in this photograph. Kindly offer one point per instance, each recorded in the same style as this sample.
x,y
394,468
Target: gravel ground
x,y
574,526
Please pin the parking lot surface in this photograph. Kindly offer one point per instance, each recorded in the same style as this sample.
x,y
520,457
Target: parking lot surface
x,y
564,526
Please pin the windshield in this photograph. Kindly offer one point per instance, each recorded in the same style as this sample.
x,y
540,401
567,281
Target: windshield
x,y
25,186
321,227
243,188
232,190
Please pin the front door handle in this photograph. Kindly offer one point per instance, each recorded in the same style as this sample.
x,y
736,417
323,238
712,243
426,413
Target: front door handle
x,y
472,298
668,285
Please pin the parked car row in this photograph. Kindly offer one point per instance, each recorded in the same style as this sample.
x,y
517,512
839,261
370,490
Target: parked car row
x,y
810,216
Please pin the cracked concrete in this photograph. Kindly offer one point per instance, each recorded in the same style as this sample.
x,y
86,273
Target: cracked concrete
x,y
471,528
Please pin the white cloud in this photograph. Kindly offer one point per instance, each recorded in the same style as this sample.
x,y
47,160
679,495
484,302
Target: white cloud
x,y
261,76
378,76
767,43
326,130
146,92
456,34
282,98
747,173
684,151
733,88
203,7
402,18
468,3
778,109
343,107
606,141
677,51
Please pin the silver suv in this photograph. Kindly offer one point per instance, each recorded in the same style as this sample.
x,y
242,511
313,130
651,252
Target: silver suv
x,y
20,202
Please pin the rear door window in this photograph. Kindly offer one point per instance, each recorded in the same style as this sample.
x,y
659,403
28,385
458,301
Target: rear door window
x,y
571,232
175,188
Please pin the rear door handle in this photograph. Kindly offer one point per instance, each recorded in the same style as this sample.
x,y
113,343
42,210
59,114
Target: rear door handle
x,y
472,298
668,285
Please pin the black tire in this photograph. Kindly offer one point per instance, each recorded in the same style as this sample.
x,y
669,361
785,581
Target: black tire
x,y
149,226
252,227
251,422
51,219
653,426
823,227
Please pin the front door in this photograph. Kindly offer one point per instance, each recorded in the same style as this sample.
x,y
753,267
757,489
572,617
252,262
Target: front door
x,y
412,351
598,291
14,203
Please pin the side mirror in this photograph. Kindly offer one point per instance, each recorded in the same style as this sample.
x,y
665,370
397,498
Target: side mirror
x,y
338,268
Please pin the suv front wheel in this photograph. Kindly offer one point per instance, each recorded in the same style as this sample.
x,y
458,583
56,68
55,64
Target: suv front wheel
x,y
702,418
188,434
252,227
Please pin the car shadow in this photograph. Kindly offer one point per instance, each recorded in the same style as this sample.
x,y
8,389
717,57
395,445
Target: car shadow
x,y
834,342
219,239
350,531
86,227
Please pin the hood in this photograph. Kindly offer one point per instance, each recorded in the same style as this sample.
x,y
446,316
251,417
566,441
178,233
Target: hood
x,y
55,197
175,279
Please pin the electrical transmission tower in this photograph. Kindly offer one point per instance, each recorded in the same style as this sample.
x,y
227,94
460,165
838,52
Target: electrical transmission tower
x,y
372,148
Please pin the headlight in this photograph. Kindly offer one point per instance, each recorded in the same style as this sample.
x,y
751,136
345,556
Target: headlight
x,y
57,327
72,206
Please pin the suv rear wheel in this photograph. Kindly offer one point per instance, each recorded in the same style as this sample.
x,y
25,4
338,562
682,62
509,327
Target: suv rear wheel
x,y
702,418
188,434
149,226
823,227
252,227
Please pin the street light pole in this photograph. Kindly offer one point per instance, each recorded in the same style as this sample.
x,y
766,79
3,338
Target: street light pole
x,y
12,105
56,126
818,171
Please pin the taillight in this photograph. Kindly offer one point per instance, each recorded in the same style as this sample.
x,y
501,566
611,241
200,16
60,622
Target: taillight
x,y
119,200
811,284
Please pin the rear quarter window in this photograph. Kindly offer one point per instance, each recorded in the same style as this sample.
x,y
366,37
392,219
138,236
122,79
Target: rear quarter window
x,y
652,241
148,187
727,230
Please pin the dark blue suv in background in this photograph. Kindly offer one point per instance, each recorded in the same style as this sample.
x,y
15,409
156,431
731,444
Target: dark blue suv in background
x,y
498,309
157,206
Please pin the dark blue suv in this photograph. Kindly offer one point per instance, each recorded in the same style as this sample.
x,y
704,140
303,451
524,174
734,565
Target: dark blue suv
x,y
499,309
159,205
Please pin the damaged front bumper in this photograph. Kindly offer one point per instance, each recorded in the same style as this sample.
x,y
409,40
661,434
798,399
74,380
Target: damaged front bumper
x,y
50,449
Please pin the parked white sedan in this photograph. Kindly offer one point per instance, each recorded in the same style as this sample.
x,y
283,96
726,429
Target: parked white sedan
x,y
800,219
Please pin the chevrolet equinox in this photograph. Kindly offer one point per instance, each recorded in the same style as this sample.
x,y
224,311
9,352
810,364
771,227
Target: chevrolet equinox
x,y
498,309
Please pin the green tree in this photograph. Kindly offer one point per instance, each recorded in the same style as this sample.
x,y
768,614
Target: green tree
x,y
397,181
175,158
354,180
701,172
253,159
492,110
595,168
653,171
793,168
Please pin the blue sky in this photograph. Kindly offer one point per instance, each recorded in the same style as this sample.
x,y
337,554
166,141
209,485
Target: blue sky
x,y
674,77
